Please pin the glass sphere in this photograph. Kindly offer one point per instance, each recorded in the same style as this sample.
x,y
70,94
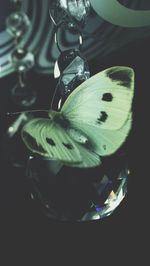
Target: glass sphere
x,y
22,59
70,194
17,24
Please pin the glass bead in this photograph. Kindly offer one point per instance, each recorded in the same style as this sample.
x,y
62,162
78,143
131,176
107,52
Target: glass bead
x,y
72,65
73,69
21,58
69,13
17,24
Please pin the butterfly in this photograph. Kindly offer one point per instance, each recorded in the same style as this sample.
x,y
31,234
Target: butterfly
x,y
94,121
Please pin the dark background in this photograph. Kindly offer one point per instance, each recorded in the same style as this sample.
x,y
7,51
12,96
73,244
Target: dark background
x,y
15,202
21,219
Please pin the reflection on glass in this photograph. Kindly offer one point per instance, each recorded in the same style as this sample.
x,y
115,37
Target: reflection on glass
x,y
68,194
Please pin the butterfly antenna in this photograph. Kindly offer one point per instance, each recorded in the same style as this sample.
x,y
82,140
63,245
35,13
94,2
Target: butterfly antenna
x,y
25,112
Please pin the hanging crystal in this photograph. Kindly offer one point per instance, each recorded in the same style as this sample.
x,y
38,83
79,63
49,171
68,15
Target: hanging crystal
x,y
22,93
79,9
73,70
69,13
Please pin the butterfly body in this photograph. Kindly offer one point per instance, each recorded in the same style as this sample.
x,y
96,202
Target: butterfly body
x,y
59,119
78,136
94,121
63,122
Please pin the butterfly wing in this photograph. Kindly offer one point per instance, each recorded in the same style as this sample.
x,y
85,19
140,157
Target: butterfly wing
x,y
104,100
101,108
89,158
49,139
103,141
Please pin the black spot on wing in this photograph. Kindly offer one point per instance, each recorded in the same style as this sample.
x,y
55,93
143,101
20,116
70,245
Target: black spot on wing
x,y
68,146
102,118
50,142
104,147
107,97
32,143
123,76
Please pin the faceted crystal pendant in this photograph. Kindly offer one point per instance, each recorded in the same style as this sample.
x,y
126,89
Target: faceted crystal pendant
x,y
73,70
79,9
17,24
69,194
69,13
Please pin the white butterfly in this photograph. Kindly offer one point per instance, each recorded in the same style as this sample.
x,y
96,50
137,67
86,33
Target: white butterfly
x,y
94,121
